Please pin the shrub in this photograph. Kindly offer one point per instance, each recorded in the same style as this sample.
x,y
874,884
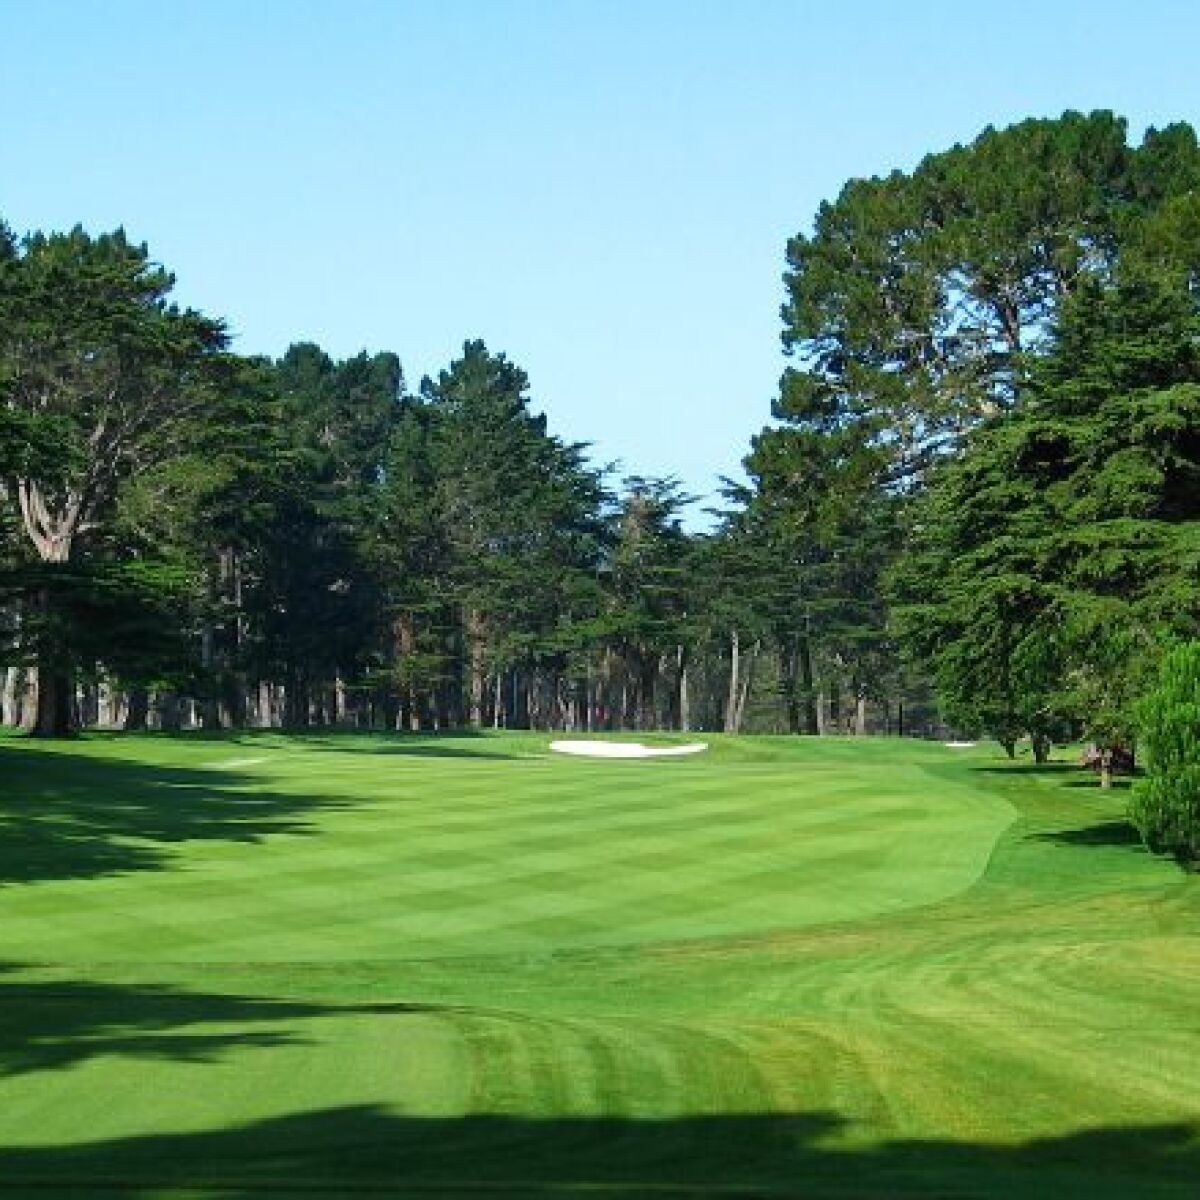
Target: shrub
x,y
1166,804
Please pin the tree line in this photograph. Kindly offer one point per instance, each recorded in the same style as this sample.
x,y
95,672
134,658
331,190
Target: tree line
x,y
977,504
193,537
989,431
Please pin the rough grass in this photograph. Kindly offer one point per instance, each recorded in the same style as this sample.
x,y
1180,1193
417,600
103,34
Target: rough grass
x,y
436,966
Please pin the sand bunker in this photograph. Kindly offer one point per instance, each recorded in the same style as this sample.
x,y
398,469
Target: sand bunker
x,y
625,749
960,745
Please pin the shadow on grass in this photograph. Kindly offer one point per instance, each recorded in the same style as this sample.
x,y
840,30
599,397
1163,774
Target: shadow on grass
x,y
56,1024
1059,769
357,741
71,815
406,745
1105,833
368,1150
1067,775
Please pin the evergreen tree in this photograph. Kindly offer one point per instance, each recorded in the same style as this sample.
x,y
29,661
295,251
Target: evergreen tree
x,y
1059,552
518,515
95,359
1166,804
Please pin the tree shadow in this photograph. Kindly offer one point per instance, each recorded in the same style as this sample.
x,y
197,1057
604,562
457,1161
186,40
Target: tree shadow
x,y
1059,769
1105,833
407,745
68,815
369,1150
50,1025
359,741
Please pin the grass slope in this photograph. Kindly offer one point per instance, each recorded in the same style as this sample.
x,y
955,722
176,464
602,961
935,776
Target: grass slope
x,y
439,966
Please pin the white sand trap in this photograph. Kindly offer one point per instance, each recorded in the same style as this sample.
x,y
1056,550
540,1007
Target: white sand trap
x,y
230,764
625,749
960,745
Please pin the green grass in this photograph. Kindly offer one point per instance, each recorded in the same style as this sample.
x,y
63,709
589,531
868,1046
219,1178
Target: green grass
x,y
452,966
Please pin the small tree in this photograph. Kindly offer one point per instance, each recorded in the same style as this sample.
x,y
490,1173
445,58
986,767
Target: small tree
x,y
1166,803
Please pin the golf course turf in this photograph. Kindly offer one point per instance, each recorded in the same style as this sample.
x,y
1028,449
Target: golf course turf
x,y
335,965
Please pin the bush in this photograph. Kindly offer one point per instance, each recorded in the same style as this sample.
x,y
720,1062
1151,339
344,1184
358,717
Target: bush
x,y
1166,804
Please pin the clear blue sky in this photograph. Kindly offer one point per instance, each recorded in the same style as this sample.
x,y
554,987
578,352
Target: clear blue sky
x,y
600,188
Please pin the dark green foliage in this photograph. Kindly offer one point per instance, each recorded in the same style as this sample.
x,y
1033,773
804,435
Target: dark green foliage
x,y
108,387
650,591
1009,327
1165,805
512,532
914,305
1053,556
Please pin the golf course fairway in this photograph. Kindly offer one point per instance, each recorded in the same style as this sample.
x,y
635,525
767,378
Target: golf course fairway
x,y
339,965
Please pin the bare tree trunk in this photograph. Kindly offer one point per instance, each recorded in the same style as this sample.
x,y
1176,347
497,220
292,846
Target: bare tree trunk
x,y
476,632
860,714
266,706
238,692
787,680
210,710
731,695
8,697
56,684
685,714
295,702
648,667
137,709
811,723
170,712
106,707
747,679
55,703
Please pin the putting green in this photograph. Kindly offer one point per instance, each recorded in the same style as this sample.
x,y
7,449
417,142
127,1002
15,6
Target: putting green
x,y
438,966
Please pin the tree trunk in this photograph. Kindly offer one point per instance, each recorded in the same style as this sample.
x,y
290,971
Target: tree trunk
x,y
476,631
860,714
808,700
787,679
747,679
55,702
137,710
8,698
685,708
106,704
1106,767
731,696
55,716
170,712
1041,748
210,709
647,677
295,702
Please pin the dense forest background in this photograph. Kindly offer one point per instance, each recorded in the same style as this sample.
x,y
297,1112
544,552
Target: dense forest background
x,y
976,506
